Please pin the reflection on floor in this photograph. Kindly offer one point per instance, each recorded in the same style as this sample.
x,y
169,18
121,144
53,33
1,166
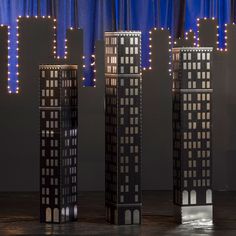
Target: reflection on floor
x,y
19,215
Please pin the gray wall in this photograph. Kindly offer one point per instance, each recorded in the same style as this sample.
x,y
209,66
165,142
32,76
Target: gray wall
x,y
19,120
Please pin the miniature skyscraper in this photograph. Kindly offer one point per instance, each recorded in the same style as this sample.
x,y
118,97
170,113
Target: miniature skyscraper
x,y
192,134
58,143
123,127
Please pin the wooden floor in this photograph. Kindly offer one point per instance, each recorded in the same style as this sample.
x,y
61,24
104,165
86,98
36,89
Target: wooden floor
x,y
19,215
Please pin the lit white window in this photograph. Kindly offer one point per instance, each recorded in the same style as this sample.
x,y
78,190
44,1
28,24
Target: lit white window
x,y
199,56
203,56
122,60
208,65
136,50
199,75
185,97
131,50
131,41
208,56
43,114
122,40
208,75
203,84
131,82
203,75
189,84
199,65
189,65
189,75
126,50
184,57
51,73
43,74
189,56
136,41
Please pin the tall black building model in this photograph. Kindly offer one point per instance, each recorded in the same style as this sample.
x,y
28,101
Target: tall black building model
x,y
58,143
192,134
123,127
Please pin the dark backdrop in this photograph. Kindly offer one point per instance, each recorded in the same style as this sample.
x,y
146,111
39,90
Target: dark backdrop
x,y
19,121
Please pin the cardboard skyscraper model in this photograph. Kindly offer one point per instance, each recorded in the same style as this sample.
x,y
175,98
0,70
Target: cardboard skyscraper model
x,y
192,134
58,143
123,127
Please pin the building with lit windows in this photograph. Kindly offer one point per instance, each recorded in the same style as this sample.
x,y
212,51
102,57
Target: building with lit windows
x,y
192,134
58,143
123,128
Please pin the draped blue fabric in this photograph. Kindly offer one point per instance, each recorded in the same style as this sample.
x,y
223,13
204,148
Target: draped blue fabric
x,y
97,16
219,9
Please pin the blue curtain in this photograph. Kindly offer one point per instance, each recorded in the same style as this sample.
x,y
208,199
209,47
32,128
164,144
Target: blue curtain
x,y
220,9
97,16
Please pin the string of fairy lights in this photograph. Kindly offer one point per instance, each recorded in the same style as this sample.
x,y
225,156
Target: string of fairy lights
x,y
93,59
169,49
83,57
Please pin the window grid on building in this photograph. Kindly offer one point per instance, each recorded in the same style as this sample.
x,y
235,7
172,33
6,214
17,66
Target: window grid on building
x,y
58,143
192,118
123,127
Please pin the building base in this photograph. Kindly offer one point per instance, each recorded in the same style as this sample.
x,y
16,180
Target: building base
x,y
201,215
57,215
124,215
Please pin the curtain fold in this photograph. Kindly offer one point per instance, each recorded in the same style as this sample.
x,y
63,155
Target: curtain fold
x,y
233,11
97,16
